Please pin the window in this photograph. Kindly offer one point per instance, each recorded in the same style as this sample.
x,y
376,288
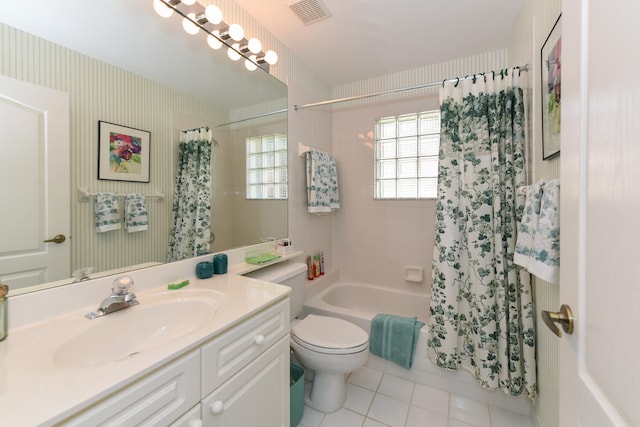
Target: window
x,y
406,156
267,167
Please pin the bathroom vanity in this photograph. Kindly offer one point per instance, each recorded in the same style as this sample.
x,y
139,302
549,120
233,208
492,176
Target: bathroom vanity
x,y
214,353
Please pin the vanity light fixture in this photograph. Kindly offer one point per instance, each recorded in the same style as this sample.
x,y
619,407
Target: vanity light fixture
x,y
209,19
188,25
250,64
213,14
163,9
233,53
214,40
255,46
271,57
236,32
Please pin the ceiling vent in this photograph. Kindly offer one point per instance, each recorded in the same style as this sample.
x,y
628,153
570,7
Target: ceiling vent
x,y
310,11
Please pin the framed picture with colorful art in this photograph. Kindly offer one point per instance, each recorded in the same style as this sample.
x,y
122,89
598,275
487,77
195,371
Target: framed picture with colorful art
x,y
123,153
551,61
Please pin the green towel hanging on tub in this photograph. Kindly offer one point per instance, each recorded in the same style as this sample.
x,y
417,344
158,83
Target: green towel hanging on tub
x,y
394,338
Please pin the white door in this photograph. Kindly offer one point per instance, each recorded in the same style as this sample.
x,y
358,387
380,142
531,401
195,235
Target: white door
x,y
34,184
600,213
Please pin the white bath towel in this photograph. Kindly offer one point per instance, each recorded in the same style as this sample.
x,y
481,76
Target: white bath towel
x,y
322,183
136,210
538,243
107,212
528,224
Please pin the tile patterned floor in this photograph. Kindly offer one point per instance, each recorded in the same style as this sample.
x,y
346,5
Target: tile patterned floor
x,y
375,399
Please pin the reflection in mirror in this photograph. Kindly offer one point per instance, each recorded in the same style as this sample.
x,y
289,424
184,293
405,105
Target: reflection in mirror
x,y
146,74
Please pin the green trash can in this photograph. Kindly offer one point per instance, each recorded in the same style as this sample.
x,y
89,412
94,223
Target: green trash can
x,y
296,393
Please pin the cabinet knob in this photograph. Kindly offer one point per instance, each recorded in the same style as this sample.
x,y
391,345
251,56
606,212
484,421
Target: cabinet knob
x,y
195,423
217,407
259,339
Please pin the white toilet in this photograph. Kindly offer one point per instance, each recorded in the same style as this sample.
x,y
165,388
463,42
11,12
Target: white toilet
x,y
331,347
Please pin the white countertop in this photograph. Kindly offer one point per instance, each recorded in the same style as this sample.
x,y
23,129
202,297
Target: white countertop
x,y
35,390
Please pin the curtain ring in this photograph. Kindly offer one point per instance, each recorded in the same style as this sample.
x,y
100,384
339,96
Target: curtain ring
x,y
458,81
474,79
443,82
493,75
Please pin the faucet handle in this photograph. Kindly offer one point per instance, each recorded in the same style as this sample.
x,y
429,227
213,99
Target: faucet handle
x,y
121,285
82,273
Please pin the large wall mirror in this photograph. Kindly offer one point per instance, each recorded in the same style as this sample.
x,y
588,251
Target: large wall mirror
x,y
119,62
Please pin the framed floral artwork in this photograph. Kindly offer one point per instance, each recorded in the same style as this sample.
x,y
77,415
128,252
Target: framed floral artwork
x,y
123,153
551,61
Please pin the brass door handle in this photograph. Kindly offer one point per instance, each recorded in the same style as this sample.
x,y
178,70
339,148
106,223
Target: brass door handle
x,y
564,317
57,239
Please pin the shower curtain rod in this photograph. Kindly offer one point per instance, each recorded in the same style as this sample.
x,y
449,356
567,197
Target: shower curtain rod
x,y
257,116
369,95
391,91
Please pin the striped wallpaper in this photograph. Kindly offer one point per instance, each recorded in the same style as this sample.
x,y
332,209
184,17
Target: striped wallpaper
x,y
530,32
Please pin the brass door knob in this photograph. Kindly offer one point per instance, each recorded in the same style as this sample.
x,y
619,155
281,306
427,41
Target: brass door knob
x,y
57,239
564,317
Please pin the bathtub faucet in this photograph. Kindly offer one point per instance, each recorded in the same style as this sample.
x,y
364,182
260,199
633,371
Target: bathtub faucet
x,y
120,298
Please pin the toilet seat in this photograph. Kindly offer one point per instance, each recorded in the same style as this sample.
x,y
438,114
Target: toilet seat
x,y
329,335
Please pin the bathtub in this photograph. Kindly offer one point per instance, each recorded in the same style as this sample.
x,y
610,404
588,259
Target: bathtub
x,y
360,302
365,301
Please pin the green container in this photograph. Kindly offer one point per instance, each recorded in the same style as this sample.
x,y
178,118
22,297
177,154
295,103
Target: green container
x,y
296,393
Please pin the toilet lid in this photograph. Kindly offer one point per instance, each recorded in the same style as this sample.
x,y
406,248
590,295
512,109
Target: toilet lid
x,y
329,333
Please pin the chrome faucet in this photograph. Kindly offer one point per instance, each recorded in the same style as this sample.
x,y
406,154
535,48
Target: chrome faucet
x,y
120,298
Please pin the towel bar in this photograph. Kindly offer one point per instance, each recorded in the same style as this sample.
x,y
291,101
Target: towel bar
x,y
85,196
302,149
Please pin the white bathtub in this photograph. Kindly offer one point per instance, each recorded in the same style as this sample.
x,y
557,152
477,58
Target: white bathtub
x,y
359,302
365,301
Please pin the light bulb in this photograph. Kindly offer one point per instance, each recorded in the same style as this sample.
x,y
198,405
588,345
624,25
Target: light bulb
x,y
255,46
162,9
232,52
213,14
189,2
213,42
271,57
236,32
189,26
249,64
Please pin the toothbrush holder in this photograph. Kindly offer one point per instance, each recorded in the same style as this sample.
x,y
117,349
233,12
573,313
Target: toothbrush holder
x,y
220,264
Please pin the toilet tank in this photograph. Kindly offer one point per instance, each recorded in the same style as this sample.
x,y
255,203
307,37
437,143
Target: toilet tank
x,y
292,274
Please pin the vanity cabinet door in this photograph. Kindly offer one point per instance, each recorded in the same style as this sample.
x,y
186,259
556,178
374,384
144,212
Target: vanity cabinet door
x,y
258,395
192,418
155,400
224,356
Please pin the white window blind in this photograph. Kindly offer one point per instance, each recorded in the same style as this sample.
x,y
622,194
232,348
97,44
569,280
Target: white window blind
x,y
406,156
267,167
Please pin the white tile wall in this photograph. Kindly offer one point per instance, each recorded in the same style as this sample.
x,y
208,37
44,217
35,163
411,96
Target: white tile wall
x,y
375,240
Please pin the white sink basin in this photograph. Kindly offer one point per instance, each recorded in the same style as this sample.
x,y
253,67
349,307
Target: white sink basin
x,y
160,318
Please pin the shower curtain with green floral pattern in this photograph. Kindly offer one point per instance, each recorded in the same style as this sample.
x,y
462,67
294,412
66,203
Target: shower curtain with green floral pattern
x,y
481,314
190,226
